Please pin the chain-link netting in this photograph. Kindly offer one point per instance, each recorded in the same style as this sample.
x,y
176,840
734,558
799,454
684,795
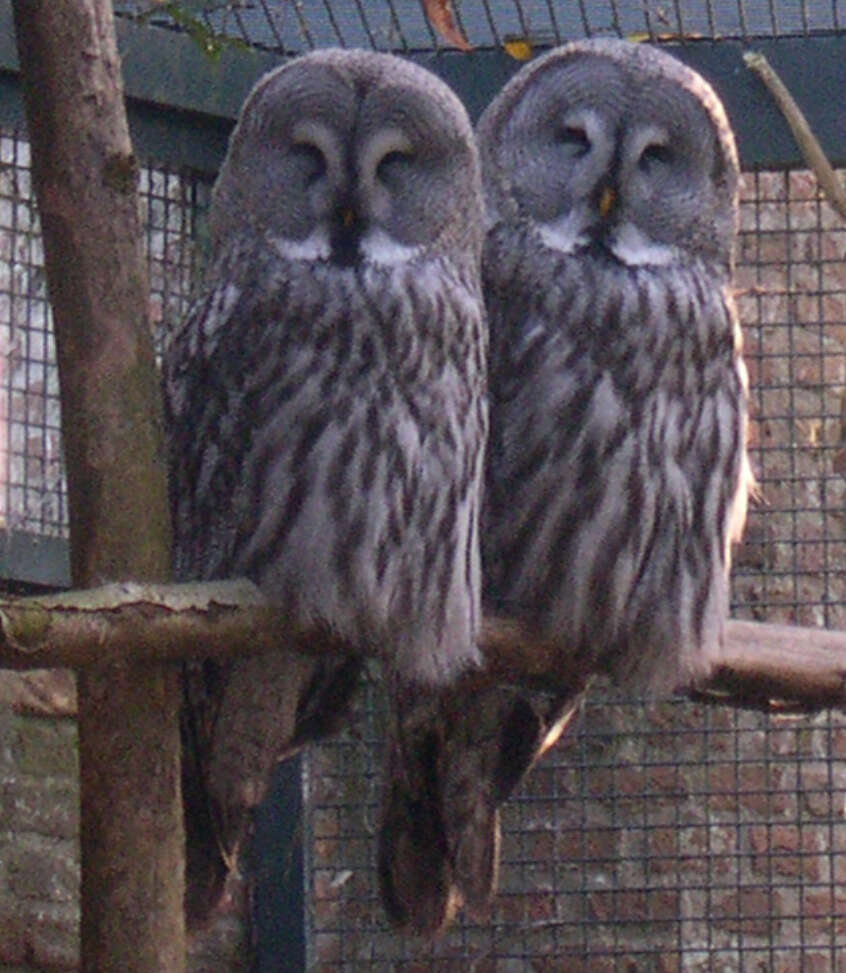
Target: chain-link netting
x,y
667,837
291,26
32,488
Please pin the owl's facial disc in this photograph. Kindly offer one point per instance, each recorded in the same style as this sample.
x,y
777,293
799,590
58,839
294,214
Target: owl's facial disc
x,y
610,147
362,208
606,212
350,188
352,160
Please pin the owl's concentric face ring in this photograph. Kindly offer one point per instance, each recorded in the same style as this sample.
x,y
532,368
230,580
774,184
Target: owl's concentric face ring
x,y
355,157
613,143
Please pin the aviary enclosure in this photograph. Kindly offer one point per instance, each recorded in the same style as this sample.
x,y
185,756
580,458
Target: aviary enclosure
x,y
668,836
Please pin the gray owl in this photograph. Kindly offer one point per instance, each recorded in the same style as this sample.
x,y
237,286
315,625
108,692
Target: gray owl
x,y
617,473
326,397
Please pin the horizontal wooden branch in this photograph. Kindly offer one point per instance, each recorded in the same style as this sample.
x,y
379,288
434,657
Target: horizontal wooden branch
x,y
778,667
148,622
762,665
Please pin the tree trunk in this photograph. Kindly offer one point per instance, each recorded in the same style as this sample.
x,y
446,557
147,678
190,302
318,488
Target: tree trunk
x,y
85,182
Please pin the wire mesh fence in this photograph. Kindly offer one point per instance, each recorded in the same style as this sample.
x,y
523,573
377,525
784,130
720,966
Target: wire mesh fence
x,y
791,283
400,25
32,487
32,494
668,836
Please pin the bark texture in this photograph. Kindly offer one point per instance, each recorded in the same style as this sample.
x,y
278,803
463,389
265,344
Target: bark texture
x,y
763,665
85,181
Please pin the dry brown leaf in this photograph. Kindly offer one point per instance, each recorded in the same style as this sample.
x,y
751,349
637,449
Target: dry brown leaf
x,y
442,18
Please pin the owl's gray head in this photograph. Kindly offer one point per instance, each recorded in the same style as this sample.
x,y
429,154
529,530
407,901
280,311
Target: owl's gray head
x,y
605,142
348,155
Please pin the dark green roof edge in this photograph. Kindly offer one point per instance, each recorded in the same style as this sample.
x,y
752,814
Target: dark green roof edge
x,y
33,559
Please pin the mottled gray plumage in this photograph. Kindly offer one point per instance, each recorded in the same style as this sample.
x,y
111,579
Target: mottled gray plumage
x,y
326,399
617,474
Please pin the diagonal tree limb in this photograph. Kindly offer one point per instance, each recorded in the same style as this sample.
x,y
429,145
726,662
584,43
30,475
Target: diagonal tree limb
x,y
811,149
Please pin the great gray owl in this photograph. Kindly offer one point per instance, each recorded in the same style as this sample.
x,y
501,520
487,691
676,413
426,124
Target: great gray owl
x,y
327,408
617,473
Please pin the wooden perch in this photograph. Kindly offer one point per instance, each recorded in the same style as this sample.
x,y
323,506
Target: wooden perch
x,y
762,665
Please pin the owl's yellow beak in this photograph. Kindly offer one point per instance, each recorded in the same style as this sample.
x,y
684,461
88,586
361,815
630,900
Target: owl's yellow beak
x,y
607,200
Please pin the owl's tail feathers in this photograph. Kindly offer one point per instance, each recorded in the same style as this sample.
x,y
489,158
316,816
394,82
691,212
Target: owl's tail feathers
x,y
454,757
415,874
238,722
206,863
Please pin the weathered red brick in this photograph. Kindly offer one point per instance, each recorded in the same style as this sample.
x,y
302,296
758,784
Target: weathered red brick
x,y
665,781
748,910
663,850
811,962
601,845
53,938
43,806
668,963
822,910
44,747
44,870
12,934
785,850
619,905
761,791
722,788
664,905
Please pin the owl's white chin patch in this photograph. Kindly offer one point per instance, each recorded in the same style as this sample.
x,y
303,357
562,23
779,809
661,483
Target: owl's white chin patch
x,y
632,248
379,248
376,247
567,233
316,246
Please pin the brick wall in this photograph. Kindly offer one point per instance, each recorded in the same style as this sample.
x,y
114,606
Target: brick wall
x,y
39,825
39,844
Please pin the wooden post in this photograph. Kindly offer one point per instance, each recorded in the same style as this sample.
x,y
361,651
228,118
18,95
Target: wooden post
x,y
85,183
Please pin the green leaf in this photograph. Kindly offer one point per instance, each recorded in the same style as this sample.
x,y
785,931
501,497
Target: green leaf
x,y
184,14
